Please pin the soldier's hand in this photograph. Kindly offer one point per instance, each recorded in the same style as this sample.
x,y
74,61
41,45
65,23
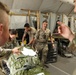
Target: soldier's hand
x,y
65,31
16,50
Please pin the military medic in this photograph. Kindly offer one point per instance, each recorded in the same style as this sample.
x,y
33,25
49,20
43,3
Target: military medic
x,y
41,40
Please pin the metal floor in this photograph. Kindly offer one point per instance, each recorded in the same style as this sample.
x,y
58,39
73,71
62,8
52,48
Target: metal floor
x,y
63,66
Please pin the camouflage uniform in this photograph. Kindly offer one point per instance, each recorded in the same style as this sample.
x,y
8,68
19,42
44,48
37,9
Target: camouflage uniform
x,y
41,43
11,44
5,52
20,64
4,55
72,46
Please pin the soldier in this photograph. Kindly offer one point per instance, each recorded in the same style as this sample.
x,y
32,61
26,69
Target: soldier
x,y
4,31
12,42
31,32
41,40
67,33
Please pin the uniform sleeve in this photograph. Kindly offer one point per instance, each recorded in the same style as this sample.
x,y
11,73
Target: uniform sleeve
x,y
34,33
72,45
5,51
25,33
37,35
15,43
73,41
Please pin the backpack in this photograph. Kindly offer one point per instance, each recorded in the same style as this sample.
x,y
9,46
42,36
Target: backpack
x,y
25,65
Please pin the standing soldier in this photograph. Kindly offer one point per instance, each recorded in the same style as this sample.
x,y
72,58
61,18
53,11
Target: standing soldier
x,y
41,40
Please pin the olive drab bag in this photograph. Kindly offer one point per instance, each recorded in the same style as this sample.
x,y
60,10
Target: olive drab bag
x,y
25,65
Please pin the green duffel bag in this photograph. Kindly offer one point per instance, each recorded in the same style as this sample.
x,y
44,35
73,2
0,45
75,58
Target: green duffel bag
x,y
25,65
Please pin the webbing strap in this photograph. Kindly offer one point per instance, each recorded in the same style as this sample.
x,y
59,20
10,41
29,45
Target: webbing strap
x,y
23,68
